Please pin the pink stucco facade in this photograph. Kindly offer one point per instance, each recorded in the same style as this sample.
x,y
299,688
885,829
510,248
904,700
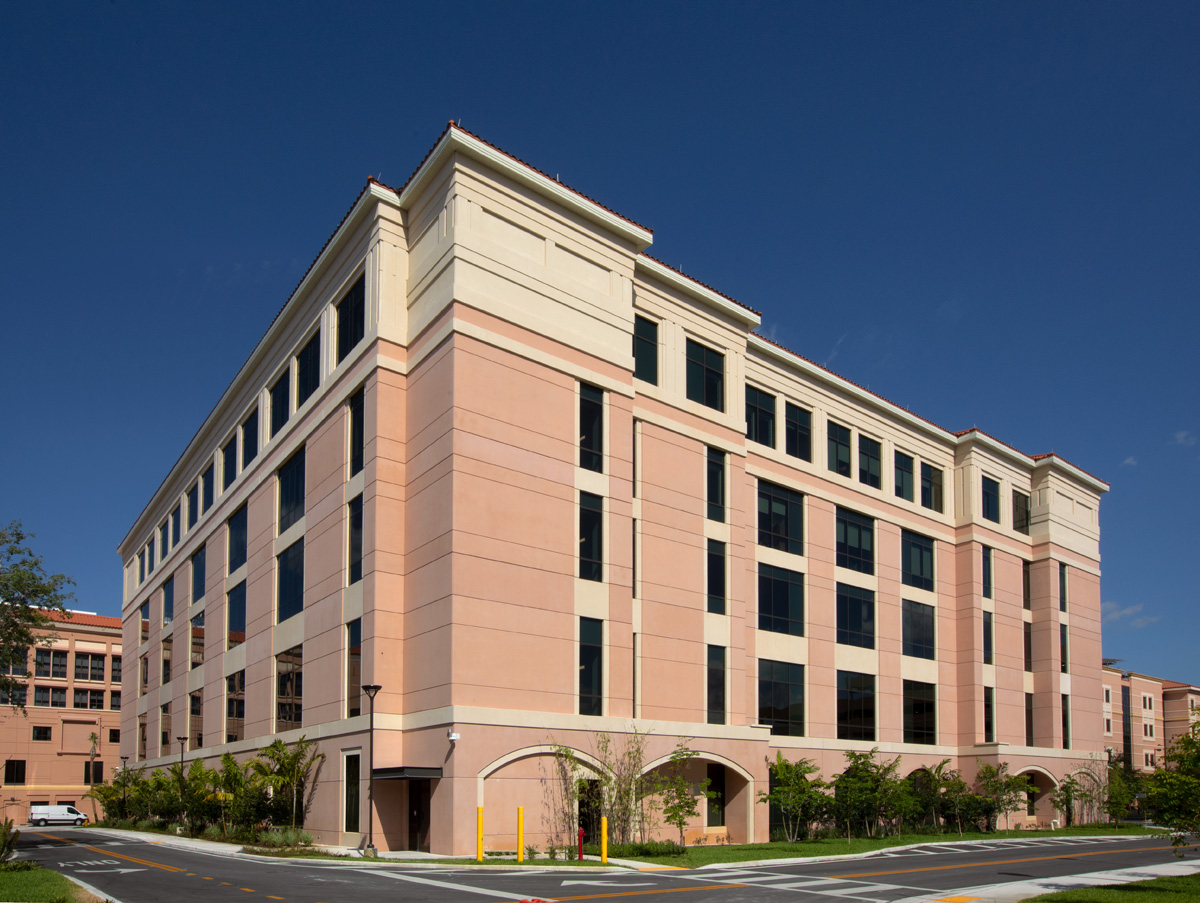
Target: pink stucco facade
x,y
496,307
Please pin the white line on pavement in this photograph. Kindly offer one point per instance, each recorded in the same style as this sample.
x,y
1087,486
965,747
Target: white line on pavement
x,y
507,894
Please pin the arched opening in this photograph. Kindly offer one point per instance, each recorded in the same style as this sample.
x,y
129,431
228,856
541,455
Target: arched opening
x,y
1039,808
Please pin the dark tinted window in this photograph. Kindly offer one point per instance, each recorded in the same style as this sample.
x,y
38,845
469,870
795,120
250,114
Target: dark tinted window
x,y
176,526
1028,646
199,573
920,712
281,397
855,616
250,438
193,505
855,706
291,491
1063,657
308,369
235,605
229,463
645,350
986,572
988,638
591,536
716,577
168,601
780,600
839,449
760,416
716,685
991,500
237,539
354,692
989,715
931,487
916,560
918,630
797,438
855,541
780,518
357,432
705,375
591,658
355,539
351,319
781,697
591,428
904,476
869,466
291,580
1062,587
715,474
1020,503
206,484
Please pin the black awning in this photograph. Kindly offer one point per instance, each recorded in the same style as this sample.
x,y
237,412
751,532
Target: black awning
x,y
405,773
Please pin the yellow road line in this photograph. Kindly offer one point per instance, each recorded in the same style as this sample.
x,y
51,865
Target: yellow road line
x,y
103,852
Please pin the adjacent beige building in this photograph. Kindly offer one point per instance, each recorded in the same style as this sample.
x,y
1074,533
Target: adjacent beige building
x,y
1143,715
494,458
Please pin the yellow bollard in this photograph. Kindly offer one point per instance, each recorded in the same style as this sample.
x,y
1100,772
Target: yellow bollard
x,y
604,838
479,834
520,833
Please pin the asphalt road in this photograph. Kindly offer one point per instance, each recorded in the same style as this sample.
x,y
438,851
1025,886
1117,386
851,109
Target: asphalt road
x,y
136,871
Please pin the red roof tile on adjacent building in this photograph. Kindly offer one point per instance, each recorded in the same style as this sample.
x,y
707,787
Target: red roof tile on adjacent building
x,y
84,619
757,313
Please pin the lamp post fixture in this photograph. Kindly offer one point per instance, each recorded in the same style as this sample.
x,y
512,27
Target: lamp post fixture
x,y
371,690
124,787
182,741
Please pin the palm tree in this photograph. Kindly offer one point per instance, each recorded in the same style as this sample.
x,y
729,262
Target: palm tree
x,y
286,769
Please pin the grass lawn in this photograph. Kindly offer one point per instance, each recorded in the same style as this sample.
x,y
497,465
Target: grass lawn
x,y
1172,889
705,855
42,886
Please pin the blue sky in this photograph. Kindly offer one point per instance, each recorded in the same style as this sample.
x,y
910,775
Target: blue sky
x,y
987,213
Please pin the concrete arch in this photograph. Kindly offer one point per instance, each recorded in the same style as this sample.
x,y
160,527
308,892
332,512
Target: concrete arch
x,y
544,749
1038,769
703,757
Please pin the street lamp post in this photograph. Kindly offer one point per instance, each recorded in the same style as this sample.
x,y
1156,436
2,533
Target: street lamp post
x,y
182,741
371,690
124,787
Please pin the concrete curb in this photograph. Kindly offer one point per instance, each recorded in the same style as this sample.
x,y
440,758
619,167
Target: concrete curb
x,y
91,890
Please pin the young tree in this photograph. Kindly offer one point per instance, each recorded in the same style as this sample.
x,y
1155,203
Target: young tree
x,y
1007,792
286,770
800,799
1173,791
94,740
955,800
27,594
678,800
864,792
623,786
1122,789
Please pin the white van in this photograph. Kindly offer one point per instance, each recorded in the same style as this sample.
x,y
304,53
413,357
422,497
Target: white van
x,y
56,815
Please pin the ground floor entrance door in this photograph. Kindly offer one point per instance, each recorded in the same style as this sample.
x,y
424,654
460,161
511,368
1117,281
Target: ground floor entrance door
x,y
419,792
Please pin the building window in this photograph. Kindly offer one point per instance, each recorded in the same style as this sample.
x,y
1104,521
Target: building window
x,y
987,572
195,720
235,607
839,448
163,539
716,577
41,696
81,701
855,706
143,730
591,666
715,479
1020,504
855,542
89,666
115,670
114,701
150,556
198,640
58,663
144,675
780,518
920,712
716,685
705,375
988,638
918,630
291,491
781,697
167,650
1062,587
780,600
1026,586
176,525
904,476
250,438
591,537
354,668
855,616
236,529
235,707
308,369
1029,720
199,573
989,715
229,462
164,727
645,350
869,466
145,618
591,428
207,486
141,566
1062,649
17,696
193,505
931,487
357,431
14,771
351,318
991,500
281,401
1028,646
715,772
916,560
41,662
354,540
760,416
289,689
168,602
350,784
290,564
797,436
1066,721
41,733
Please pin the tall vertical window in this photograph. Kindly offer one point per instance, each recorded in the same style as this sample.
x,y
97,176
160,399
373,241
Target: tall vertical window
x,y
989,715
920,712
988,638
918,630
1066,721
916,560
58,664
591,666
236,528
351,319
163,539
352,791
235,610
716,577
1026,586
839,448
716,685
931,487
1062,587
289,689
357,431
207,481
760,416
150,556
781,697
780,600
797,436
14,772
197,640
235,707
168,649
229,462
290,567
1020,508
354,540
855,542
199,573
855,706
308,369
176,526
986,572
904,476
715,772
114,674
1028,646
780,518
869,466
291,491
855,616
250,438
141,566
715,484
143,679
991,500
705,375
281,401
1063,655
645,350
591,428
193,505
354,668
168,602
195,720
591,537
1029,719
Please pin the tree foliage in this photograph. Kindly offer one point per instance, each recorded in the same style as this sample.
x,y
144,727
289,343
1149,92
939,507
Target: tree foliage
x,y
678,798
1173,791
800,798
1007,792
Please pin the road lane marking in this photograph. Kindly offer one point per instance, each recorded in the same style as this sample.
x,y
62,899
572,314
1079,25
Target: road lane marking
x,y
957,899
659,890
157,865
507,895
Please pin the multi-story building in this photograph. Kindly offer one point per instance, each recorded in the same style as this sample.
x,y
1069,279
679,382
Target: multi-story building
x,y
1143,715
69,734
535,484
1180,708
